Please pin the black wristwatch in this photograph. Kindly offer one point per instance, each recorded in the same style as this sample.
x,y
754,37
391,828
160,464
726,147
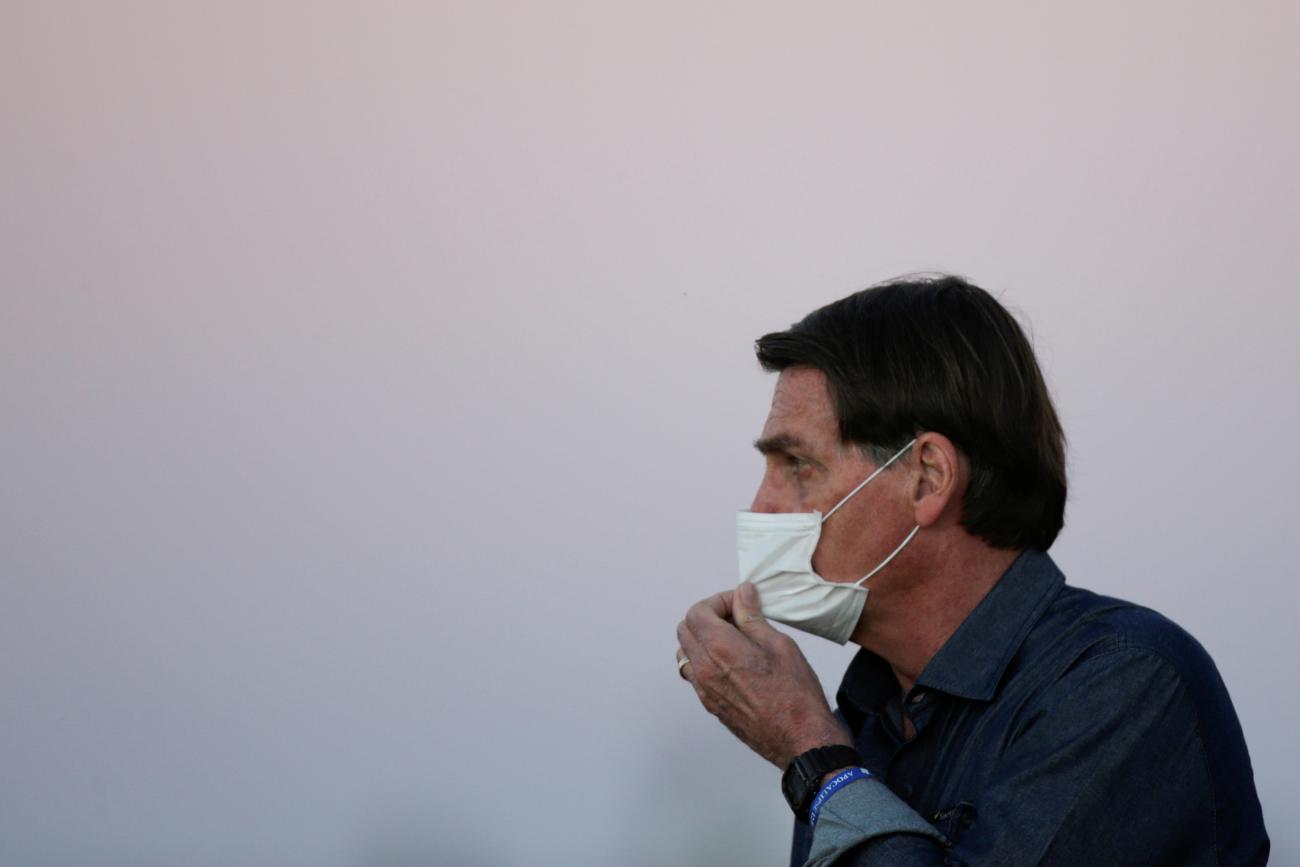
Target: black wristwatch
x,y
802,780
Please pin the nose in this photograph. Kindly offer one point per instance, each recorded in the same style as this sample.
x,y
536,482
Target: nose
x,y
770,497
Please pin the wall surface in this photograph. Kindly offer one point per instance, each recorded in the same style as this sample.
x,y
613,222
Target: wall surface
x,y
377,390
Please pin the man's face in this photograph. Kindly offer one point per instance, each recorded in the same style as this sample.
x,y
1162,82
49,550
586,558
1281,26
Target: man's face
x,y
809,469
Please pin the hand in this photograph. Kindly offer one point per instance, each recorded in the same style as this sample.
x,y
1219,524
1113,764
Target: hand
x,y
754,678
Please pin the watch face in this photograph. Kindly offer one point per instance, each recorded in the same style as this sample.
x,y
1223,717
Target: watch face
x,y
793,786
800,781
798,786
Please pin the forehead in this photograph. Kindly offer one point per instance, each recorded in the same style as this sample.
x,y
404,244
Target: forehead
x,y
802,408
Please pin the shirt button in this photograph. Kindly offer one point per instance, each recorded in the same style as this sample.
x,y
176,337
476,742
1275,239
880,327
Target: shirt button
x,y
919,697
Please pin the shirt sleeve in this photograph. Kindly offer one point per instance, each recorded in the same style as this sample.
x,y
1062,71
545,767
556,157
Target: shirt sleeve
x,y
1074,783
865,810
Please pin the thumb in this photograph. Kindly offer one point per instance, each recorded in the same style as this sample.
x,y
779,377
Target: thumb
x,y
747,611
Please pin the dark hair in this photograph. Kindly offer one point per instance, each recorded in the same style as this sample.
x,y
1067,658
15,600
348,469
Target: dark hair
x,y
941,354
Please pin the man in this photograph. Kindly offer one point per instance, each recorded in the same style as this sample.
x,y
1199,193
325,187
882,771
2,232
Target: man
x,y
915,478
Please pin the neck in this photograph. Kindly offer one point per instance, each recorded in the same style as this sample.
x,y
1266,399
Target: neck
x,y
910,617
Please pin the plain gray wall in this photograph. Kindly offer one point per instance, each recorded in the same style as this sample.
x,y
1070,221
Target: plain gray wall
x,y
377,387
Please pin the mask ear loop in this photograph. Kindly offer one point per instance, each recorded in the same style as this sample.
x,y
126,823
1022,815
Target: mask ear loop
x,y
880,469
885,562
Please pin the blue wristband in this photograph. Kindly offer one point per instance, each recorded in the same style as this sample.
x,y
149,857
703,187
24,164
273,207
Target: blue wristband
x,y
838,782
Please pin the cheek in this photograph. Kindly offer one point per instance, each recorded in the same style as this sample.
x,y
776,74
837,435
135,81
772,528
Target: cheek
x,y
853,541
834,554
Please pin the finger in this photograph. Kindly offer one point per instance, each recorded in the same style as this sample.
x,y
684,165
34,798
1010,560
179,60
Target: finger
x,y
709,621
691,646
747,613
682,662
723,603
701,668
706,665
719,604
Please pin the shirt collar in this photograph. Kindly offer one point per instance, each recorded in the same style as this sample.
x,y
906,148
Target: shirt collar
x,y
971,663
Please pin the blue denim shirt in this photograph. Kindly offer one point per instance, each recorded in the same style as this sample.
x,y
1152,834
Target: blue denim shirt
x,y
1055,727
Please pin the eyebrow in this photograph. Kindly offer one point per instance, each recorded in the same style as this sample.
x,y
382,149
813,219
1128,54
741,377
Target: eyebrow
x,y
779,443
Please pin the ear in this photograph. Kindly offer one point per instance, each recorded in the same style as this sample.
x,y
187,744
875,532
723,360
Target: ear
x,y
939,481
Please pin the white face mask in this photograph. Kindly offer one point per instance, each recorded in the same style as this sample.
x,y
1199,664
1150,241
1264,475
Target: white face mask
x,y
775,552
